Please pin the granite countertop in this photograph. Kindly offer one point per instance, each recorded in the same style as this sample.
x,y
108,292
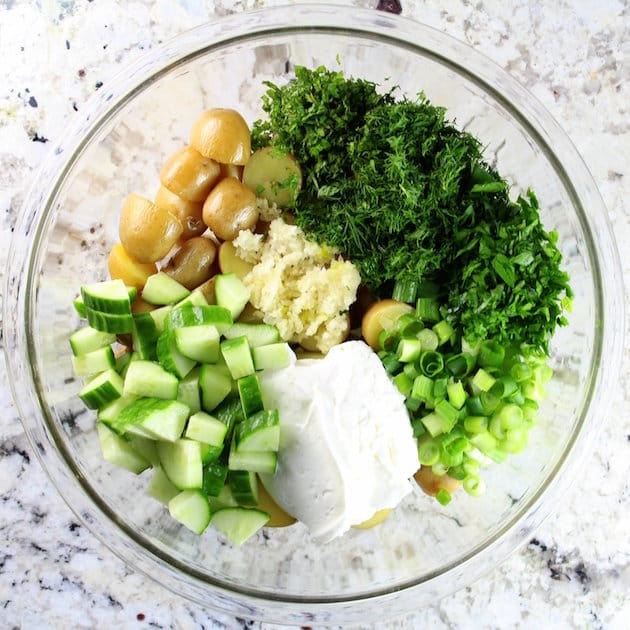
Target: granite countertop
x,y
573,56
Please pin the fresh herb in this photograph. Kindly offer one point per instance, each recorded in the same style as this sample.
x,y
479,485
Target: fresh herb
x,y
405,195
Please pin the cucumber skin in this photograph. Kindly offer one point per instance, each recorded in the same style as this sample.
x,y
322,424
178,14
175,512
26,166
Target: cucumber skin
x,y
117,451
171,454
191,509
250,394
239,524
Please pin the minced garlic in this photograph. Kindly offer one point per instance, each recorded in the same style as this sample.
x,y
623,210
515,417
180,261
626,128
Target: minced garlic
x,y
303,288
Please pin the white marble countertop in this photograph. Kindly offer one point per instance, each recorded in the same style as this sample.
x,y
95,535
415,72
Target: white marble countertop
x,y
574,56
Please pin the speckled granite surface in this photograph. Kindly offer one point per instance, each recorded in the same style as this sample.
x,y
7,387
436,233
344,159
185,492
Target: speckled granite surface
x,y
574,56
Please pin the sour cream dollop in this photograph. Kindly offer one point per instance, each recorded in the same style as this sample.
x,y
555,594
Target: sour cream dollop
x,y
346,445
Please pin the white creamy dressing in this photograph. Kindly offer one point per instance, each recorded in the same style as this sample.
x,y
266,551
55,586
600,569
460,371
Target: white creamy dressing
x,y
346,445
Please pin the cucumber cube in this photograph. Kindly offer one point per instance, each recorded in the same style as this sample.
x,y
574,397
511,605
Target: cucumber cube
x,y
239,524
161,289
250,394
231,293
191,509
214,384
181,461
102,389
205,428
238,357
145,378
93,362
117,451
87,339
171,358
259,432
160,487
199,343
273,356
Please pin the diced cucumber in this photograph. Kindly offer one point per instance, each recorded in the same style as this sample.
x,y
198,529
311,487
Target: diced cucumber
x,y
102,389
160,315
250,394
244,487
87,339
108,322
188,391
157,418
253,461
199,343
214,477
144,336
122,362
93,362
273,356
109,413
79,306
238,356
257,334
195,315
231,293
196,298
181,461
147,447
259,432
117,451
160,487
214,384
145,378
110,297
191,509
230,412
170,358
209,453
205,428
239,524
161,289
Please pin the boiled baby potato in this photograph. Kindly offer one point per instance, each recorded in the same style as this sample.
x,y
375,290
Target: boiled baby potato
x,y
250,315
207,290
232,170
190,213
229,262
432,483
274,176
193,264
147,232
382,315
140,306
230,208
124,267
189,174
376,519
278,517
222,135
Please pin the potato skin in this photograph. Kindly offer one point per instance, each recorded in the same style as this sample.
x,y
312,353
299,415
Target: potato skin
x,y
189,174
193,264
431,483
230,208
188,212
379,316
222,135
147,232
124,267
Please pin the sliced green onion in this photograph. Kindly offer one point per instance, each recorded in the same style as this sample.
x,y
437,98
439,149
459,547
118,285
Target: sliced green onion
x,y
428,339
476,424
471,466
489,402
443,496
460,365
447,411
491,354
482,381
417,427
474,485
444,331
533,390
405,290
456,394
439,469
412,404
427,309
390,363
504,387
428,451
431,363
408,350
436,424
422,388
520,372
515,440
440,386
388,340
411,370
411,327
403,383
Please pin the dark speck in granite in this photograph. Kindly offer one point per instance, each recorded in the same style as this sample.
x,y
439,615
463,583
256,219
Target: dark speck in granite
x,y
98,84
563,567
389,6
37,138
32,101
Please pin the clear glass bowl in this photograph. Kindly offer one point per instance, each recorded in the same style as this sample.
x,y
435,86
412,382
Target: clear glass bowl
x,y
69,223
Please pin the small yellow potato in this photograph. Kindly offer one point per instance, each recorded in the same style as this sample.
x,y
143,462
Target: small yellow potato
x,y
432,483
207,290
190,213
230,208
376,519
147,232
279,518
273,175
382,315
140,306
232,170
229,262
222,135
193,264
250,315
189,174
124,267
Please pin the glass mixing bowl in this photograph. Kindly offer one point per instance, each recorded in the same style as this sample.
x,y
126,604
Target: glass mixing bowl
x,y
69,222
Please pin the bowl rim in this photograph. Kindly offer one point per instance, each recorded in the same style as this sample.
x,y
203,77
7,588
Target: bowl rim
x,y
218,34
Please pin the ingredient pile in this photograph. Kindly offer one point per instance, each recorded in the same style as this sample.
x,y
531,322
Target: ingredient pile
x,y
318,314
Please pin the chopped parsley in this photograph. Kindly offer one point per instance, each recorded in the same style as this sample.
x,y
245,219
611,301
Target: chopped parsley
x,y
405,195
